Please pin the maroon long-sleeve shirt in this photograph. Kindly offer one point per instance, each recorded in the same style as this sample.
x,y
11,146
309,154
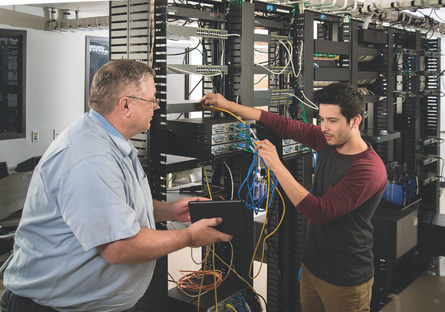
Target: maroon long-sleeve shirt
x,y
345,194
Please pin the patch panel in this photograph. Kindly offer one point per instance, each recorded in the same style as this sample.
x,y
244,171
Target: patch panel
x,y
211,69
196,69
212,33
281,100
184,32
281,92
278,38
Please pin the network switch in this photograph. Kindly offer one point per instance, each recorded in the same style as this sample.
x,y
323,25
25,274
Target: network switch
x,y
208,125
197,69
208,137
182,32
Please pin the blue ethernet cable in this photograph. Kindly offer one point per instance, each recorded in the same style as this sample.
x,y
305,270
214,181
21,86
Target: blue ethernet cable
x,y
250,202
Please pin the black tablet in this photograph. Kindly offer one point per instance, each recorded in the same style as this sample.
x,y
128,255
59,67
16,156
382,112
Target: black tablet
x,y
237,219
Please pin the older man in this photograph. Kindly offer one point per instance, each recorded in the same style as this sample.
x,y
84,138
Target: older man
x,y
87,239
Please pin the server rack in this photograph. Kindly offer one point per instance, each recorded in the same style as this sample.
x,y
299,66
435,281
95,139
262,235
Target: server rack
x,y
362,57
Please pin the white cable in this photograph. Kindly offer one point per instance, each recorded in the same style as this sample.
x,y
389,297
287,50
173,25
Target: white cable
x,y
367,20
229,35
247,306
313,106
231,178
199,263
171,223
152,22
304,95
270,71
253,133
289,53
223,47
300,60
287,65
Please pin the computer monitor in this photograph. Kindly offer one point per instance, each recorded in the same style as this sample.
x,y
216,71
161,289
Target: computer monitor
x,y
4,171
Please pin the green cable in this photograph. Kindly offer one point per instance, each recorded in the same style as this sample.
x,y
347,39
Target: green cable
x,y
243,149
238,129
296,8
171,177
304,114
260,80
233,267
403,80
250,143
260,51
304,111
188,50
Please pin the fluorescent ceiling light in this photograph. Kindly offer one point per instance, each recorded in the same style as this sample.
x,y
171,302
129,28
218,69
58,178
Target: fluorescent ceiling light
x,y
26,2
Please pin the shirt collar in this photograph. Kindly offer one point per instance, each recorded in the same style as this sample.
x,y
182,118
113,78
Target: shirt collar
x,y
122,144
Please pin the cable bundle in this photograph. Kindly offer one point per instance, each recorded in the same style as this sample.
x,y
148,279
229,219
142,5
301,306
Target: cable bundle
x,y
186,281
253,176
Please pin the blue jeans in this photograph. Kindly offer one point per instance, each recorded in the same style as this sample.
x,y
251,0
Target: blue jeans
x,y
10,302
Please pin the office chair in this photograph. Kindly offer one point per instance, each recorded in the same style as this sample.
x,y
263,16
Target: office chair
x,y
4,170
13,190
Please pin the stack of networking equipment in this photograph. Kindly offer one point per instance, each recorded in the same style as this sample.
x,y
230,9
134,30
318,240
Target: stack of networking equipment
x,y
291,147
208,137
286,148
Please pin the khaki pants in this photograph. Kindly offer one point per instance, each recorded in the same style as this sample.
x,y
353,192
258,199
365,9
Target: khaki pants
x,y
317,295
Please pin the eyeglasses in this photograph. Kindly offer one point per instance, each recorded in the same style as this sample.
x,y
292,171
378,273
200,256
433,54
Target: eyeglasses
x,y
154,103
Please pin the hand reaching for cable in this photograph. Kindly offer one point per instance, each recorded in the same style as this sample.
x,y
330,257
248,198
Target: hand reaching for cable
x,y
268,152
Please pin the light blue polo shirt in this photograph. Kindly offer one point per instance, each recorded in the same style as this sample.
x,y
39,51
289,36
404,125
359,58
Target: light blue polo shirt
x,y
88,189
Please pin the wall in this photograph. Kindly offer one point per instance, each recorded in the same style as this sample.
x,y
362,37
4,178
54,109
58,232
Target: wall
x,y
55,83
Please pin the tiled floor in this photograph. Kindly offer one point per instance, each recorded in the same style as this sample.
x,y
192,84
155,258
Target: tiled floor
x,y
425,294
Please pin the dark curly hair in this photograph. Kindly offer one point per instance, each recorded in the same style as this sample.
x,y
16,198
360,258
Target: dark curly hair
x,y
346,96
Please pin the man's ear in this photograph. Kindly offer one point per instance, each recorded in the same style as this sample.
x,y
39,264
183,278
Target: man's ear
x,y
356,120
124,106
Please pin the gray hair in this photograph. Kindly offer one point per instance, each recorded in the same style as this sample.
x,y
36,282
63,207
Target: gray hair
x,y
115,78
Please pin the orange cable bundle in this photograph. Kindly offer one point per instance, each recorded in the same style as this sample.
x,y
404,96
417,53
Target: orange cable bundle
x,y
186,281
